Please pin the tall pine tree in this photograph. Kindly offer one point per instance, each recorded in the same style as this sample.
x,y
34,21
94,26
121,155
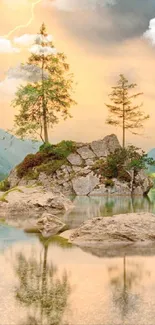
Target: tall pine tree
x,y
42,103
123,112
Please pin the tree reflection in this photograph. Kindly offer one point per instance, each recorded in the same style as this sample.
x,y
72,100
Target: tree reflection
x,y
41,290
123,284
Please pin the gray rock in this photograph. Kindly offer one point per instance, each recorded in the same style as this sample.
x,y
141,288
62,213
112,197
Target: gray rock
x,y
102,148
89,162
77,169
125,228
13,178
99,191
50,225
32,202
86,153
142,183
85,185
75,159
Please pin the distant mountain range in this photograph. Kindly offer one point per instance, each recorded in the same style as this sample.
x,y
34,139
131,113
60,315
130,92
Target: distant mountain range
x,y
151,154
13,151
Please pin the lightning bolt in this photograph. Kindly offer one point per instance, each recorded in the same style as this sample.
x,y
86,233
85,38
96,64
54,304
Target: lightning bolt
x,y
24,25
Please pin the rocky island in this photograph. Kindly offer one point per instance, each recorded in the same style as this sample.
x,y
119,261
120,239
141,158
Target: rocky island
x,y
82,169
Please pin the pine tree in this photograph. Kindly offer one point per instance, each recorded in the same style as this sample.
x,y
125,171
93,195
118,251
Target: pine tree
x,y
42,103
123,112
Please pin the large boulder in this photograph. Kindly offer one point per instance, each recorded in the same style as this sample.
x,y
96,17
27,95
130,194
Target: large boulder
x,y
85,185
24,203
50,225
120,229
108,145
142,183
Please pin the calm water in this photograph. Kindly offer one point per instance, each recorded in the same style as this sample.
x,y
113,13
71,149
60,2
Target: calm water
x,y
50,282
89,207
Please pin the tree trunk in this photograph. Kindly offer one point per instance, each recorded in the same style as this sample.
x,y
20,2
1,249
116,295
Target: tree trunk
x,y
45,127
123,144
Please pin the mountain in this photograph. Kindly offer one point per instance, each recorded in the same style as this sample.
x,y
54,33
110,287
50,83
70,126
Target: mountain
x,y
13,151
151,154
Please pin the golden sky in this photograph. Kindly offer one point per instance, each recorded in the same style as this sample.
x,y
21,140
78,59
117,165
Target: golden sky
x,y
96,64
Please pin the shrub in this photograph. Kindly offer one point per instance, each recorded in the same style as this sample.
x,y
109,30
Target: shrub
x,y
29,162
109,183
117,164
4,185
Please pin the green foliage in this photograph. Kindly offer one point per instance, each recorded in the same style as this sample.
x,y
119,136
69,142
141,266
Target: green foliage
x,y
60,150
4,185
50,167
64,148
109,183
42,103
121,162
123,112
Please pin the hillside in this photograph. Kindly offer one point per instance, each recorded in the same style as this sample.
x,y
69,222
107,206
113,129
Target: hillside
x,y
13,151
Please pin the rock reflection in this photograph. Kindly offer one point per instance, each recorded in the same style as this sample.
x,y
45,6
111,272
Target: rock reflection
x,y
40,289
124,285
89,207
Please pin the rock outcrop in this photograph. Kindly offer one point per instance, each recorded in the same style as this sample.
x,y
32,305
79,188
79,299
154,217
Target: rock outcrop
x,y
77,176
120,229
25,203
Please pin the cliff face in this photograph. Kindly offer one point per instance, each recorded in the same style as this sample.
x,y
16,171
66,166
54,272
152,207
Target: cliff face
x,y
79,174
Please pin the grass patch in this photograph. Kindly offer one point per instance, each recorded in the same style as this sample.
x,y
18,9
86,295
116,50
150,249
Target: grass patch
x,y
51,167
4,185
4,196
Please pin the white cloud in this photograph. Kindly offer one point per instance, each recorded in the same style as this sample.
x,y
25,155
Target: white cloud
x,y
71,5
42,50
150,33
25,40
30,39
7,47
8,87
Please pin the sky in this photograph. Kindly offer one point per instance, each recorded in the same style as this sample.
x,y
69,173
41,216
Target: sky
x,y
101,38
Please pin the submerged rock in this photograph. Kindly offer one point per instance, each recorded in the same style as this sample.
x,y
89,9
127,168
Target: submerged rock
x,y
50,225
120,229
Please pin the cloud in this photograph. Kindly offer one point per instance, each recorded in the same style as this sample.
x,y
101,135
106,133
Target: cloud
x,y
73,5
150,33
26,72
30,39
7,47
19,75
96,22
25,40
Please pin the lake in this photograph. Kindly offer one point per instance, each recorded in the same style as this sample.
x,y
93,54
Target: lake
x,y
51,282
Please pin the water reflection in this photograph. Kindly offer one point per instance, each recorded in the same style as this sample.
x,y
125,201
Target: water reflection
x,y
123,283
40,289
89,207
